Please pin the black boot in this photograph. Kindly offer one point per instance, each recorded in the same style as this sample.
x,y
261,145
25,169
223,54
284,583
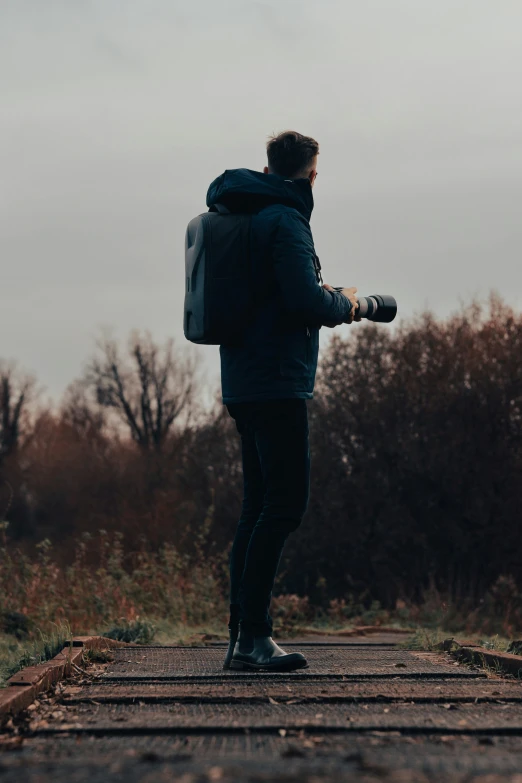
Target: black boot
x,y
262,653
233,632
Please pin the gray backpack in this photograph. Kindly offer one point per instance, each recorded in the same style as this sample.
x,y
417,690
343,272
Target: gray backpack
x,y
218,277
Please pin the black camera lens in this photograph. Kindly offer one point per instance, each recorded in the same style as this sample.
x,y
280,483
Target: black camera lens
x,y
380,308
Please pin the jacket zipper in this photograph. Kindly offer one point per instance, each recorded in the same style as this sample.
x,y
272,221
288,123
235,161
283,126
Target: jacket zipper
x,y
317,267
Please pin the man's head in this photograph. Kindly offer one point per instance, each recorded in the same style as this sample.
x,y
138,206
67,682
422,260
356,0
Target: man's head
x,y
292,155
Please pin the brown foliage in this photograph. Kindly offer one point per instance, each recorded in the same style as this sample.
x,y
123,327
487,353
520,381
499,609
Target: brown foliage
x,y
101,583
417,458
416,439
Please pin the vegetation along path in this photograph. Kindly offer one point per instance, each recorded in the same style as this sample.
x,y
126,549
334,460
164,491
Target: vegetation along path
x,y
364,710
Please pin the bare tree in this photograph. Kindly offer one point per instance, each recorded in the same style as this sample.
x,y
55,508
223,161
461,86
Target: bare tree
x,y
17,391
84,416
149,389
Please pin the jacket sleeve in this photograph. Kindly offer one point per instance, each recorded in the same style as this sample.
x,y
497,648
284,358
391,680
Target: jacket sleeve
x,y
303,297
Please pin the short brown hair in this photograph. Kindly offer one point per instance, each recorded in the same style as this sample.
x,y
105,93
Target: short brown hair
x,y
290,154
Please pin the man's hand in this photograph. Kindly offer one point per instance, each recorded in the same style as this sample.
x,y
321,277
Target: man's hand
x,y
349,293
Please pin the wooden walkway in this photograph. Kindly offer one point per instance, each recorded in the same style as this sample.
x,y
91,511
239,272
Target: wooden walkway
x,y
364,710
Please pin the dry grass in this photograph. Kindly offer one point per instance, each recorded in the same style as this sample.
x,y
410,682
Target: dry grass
x,y
16,654
110,588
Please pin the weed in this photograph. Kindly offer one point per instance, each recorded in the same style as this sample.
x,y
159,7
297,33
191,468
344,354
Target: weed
x,y
138,631
494,643
424,639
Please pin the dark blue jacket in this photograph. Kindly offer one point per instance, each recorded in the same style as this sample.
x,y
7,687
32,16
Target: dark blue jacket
x,y
276,355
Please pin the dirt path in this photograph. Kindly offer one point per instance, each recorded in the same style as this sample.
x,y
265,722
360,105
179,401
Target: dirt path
x,y
363,711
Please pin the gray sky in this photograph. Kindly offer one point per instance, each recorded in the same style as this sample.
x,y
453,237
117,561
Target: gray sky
x,y
116,114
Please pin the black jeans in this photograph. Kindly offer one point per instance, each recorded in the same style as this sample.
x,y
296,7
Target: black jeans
x,y
276,474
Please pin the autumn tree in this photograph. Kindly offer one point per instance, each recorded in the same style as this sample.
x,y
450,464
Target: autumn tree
x,y
417,448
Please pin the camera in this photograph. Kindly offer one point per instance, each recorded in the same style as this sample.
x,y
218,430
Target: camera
x,y
380,308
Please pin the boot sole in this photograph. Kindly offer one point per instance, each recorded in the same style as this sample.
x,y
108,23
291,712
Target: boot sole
x,y
289,667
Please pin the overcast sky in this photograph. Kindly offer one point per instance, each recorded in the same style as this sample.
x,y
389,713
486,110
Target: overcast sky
x,y
116,115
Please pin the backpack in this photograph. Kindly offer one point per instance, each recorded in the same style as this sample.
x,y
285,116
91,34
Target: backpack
x,y
219,298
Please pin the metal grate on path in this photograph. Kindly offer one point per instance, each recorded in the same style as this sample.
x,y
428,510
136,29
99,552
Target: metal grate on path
x,y
362,691
182,663
405,717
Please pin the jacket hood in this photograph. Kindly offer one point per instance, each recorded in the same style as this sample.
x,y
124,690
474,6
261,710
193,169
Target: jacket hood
x,y
243,190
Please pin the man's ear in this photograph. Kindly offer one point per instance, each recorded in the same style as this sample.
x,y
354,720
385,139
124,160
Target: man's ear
x,y
312,176
265,170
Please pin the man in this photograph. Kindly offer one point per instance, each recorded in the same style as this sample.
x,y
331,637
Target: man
x,y
268,375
